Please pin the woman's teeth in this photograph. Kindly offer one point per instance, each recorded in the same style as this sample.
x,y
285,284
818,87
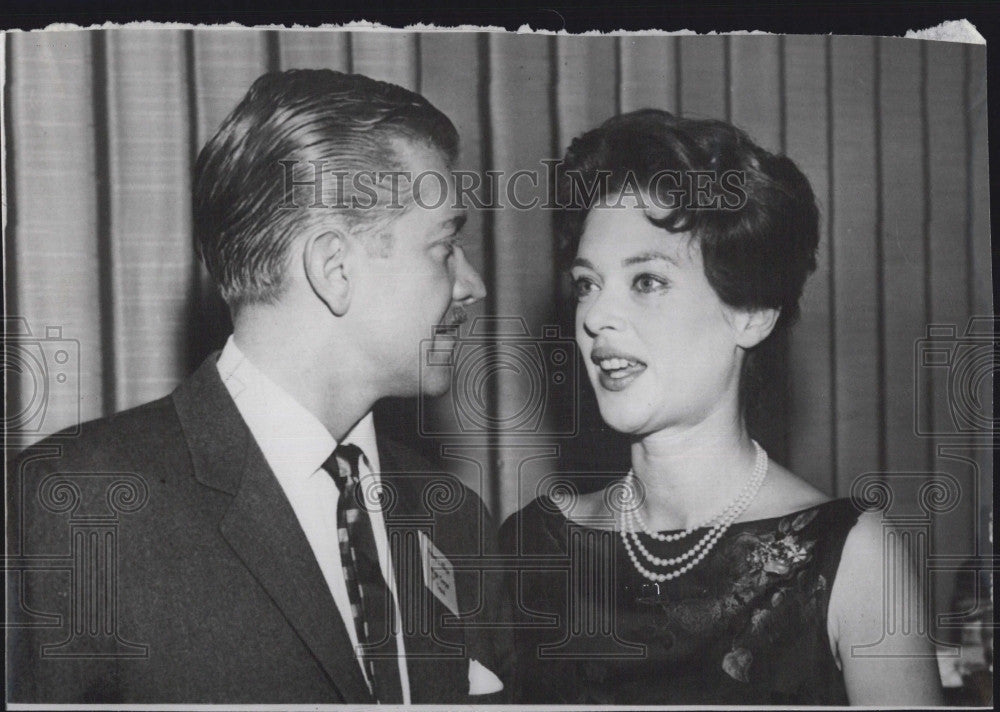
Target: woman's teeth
x,y
615,367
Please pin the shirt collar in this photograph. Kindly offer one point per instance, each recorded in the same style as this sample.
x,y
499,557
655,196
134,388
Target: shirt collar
x,y
293,440
363,435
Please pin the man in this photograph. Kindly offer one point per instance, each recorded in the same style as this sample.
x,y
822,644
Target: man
x,y
271,548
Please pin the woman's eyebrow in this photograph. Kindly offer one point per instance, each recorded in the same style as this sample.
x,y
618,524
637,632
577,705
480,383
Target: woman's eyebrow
x,y
581,262
648,257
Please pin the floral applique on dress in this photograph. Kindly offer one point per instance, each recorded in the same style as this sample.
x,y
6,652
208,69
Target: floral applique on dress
x,y
747,626
775,587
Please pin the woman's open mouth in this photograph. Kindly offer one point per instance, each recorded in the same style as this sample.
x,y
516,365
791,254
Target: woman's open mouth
x,y
616,372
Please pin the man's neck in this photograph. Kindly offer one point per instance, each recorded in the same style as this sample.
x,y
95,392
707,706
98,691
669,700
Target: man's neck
x,y
296,360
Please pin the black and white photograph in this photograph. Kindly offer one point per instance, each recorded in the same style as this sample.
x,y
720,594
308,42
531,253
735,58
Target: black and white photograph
x,y
363,365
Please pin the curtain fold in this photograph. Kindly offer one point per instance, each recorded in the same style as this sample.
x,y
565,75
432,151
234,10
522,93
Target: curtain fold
x,y
150,266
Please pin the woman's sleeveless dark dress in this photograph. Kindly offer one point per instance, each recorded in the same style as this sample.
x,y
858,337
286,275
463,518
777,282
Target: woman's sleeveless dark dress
x,y
747,625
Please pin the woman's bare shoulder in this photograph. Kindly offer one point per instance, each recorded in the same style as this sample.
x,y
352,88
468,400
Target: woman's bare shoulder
x,y
864,610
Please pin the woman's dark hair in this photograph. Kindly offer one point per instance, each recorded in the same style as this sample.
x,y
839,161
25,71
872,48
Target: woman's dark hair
x,y
307,121
753,213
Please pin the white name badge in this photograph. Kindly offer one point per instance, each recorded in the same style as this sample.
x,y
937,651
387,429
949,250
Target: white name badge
x,y
439,574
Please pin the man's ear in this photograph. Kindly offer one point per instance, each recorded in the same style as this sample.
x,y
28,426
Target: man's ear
x,y
327,268
754,325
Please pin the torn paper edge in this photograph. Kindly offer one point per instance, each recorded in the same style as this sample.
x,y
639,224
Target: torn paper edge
x,y
950,31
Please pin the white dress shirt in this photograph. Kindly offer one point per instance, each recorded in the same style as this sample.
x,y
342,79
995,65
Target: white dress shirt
x,y
295,445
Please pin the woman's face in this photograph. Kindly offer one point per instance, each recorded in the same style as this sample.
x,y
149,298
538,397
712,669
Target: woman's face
x,y
659,345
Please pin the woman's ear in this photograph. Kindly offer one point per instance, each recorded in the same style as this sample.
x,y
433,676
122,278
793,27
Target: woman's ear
x,y
327,267
753,326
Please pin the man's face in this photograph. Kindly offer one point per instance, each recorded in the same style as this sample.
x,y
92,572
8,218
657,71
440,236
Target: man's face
x,y
415,280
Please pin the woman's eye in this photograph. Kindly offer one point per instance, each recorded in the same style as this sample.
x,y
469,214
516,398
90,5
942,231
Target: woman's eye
x,y
646,283
583,286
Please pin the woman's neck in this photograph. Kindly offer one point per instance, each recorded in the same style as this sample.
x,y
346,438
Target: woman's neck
x,y
689,476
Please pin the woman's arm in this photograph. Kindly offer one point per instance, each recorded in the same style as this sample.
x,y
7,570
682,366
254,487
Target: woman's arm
x,y
879,620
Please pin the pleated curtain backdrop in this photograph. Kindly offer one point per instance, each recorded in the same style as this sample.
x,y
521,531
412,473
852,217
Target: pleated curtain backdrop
x,y
103,127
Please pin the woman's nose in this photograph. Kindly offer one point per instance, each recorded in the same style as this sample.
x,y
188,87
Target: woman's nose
x,y
601,312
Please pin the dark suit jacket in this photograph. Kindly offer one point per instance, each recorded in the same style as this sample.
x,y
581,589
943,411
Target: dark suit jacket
x,y
155,558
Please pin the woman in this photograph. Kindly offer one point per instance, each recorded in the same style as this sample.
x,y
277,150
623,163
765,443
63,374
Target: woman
x,y
708,573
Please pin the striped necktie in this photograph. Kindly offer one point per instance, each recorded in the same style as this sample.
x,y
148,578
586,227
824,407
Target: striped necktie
x,y
371,601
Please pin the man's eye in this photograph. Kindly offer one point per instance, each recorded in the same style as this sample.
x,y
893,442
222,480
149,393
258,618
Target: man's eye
x,y
447,248
583,286
646,283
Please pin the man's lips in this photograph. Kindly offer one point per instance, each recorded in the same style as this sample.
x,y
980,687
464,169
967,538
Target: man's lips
x,y
458,315
455,317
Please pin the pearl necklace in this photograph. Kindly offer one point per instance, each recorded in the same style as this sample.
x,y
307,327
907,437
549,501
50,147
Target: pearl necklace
x,y
694,555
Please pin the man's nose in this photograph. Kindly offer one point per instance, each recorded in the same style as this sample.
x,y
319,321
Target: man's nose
x,y
469,287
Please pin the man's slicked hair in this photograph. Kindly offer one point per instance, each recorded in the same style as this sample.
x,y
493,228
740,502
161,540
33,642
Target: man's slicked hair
x,y
348,123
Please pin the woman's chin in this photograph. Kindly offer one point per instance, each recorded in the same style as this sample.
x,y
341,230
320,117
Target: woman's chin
x,y
625,420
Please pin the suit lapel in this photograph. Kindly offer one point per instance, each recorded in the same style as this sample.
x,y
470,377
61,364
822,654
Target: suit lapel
x,y
262,528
